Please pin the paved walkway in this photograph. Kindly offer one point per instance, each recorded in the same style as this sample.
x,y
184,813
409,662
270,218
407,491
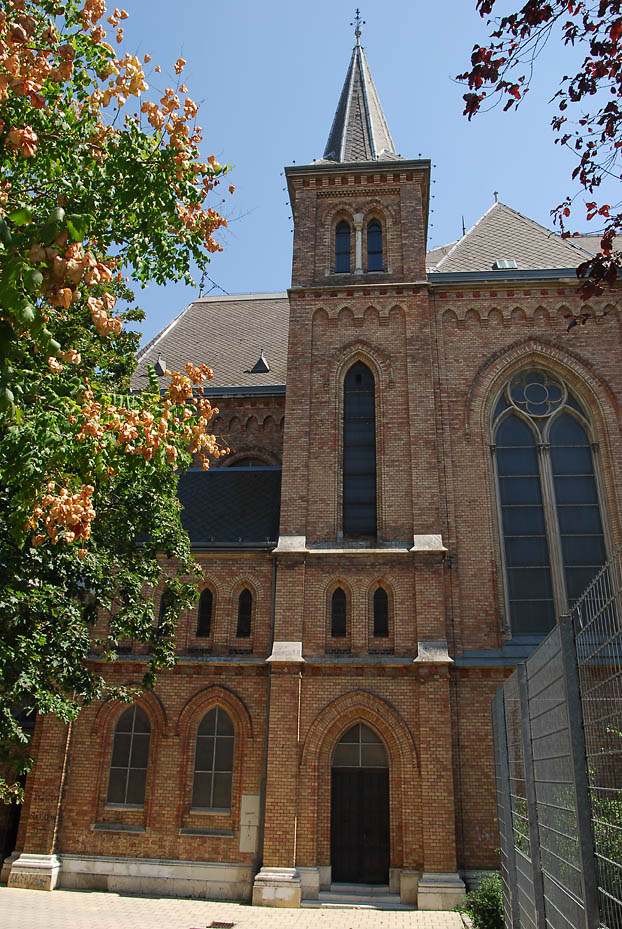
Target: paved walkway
x,y
72,909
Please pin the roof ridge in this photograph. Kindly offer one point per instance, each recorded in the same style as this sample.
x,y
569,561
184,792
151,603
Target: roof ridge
x,y
541,228
233,298
160,335
466,235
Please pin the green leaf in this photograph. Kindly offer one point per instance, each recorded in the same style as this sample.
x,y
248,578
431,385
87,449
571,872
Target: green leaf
x,y
21,216
5,234
33,280
78,225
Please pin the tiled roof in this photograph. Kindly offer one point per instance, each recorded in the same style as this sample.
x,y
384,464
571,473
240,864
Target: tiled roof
x,y
228,333
359,131
433,257
592,242
231,507
504,233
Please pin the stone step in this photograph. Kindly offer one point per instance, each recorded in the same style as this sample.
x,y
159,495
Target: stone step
x,y
357,897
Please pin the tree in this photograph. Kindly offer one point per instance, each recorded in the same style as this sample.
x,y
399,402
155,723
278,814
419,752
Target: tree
x,y
88,471
502,71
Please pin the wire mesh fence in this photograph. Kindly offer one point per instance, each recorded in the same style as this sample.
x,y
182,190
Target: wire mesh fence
x,y
597,624
558,752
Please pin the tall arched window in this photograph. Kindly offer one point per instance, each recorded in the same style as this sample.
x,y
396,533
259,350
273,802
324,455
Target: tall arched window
x,y
245,614
338,614
130,755
374,246
551,524
342,247
381,613
213,762
204,618
359,452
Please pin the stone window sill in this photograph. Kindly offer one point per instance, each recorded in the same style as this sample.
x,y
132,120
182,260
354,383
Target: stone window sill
x,y
117,827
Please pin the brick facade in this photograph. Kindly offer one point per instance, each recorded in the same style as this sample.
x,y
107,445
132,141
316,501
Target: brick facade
x,y
439,354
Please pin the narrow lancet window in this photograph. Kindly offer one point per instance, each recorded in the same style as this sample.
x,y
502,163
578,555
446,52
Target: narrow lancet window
x,y
359,452
374,246
338,617
204,619
381,613
245,612
342,247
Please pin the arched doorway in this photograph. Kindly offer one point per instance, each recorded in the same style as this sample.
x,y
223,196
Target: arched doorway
x,y
360,809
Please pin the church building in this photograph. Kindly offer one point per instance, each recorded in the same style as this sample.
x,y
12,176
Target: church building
x,y
426,472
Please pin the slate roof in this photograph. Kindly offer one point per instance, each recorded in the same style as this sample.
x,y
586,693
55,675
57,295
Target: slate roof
x,y
359,131
228,333
504,233
231,507
592,242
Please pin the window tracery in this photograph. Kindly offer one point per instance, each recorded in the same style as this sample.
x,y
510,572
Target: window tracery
x,y
549,507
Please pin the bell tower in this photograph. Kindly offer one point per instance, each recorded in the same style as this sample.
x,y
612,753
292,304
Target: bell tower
x,y
360,560
361,211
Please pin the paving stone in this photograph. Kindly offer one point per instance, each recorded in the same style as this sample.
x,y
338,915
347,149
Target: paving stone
x,y
70,909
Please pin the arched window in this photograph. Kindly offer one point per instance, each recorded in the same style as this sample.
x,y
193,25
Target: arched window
x,y
204,618
551,524
245,614
249,462
342,247
381,613
130,755
166,600
338,614
213,762
359,747
374,246
359,452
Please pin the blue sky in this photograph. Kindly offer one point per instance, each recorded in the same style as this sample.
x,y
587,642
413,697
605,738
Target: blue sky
x,y
268,76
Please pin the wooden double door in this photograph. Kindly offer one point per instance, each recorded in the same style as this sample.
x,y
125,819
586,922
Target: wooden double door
x,y
360,844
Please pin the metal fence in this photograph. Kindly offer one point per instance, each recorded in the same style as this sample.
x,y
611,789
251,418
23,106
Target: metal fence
x,y
558,754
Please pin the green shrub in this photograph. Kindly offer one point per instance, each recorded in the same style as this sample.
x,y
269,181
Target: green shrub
x,y
485,905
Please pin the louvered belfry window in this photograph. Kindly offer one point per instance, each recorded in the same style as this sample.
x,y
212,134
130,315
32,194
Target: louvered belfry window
x,y
359,452
553,539
342,247
130,755
374,246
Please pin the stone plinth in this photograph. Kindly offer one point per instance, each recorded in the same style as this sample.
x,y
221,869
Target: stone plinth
x,y
440,891
277,887
35,872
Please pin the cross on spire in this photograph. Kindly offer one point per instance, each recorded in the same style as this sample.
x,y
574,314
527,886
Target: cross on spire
x,y
357,22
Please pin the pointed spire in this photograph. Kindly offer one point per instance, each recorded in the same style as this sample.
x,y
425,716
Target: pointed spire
x,y
359,131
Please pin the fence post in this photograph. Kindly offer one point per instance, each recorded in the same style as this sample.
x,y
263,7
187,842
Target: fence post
x,y
506,839
532,809
589,877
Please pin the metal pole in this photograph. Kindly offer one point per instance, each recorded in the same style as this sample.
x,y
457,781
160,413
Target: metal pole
x,y
506,835
532,809
589,877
